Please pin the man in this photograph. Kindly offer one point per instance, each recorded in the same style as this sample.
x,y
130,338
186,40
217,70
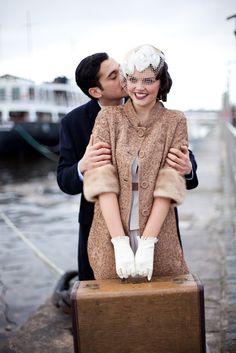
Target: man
x,y
98,77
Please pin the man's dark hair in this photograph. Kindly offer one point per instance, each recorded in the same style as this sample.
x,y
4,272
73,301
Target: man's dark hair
x,y
166,83
86,73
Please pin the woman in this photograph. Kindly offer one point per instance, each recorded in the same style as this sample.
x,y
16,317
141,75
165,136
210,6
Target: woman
x,y
134,228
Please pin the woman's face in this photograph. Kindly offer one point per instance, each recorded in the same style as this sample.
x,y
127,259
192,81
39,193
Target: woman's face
x,y
142,87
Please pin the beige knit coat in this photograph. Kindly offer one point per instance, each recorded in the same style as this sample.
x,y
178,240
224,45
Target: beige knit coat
x,y
119,126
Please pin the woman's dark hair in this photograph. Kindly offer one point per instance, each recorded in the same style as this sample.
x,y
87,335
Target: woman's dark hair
x,y
86,73
166,83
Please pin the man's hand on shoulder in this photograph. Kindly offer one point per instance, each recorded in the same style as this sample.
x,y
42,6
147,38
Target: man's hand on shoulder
x,y
179,160
95,156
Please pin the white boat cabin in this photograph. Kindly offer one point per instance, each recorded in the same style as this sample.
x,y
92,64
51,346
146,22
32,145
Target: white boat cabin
x,y
21,100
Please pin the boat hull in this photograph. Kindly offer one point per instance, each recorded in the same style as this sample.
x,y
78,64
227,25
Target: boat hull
x,y
28,138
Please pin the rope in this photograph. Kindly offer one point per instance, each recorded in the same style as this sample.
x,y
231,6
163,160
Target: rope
x,y
35,144
56,270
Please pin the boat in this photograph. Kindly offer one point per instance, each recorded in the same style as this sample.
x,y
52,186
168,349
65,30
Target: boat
x,y
30,114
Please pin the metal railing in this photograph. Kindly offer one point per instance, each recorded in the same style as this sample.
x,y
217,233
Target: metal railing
x,y
230,138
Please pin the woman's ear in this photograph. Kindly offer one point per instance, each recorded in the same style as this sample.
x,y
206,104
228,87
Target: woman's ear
x,y
95,92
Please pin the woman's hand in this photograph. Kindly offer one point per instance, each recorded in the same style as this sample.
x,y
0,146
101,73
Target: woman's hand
x,y
144,256
124,256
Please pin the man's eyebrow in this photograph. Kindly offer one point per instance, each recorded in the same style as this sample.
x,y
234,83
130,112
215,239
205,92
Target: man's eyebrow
x,y
112,73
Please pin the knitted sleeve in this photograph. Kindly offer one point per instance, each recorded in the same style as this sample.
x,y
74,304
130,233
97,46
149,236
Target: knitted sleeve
x,y
102,179
169,183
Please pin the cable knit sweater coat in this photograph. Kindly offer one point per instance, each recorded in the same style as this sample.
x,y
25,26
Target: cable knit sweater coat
x,y
119,126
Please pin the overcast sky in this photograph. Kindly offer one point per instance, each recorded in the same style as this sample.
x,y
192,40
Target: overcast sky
x,y
195,36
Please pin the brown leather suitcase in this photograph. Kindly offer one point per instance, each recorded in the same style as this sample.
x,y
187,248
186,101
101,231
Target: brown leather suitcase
x,y
165,315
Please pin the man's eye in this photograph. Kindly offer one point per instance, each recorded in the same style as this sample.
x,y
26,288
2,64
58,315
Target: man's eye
x,y
113,77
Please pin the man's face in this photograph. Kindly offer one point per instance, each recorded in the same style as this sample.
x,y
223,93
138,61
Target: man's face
x,y
110,82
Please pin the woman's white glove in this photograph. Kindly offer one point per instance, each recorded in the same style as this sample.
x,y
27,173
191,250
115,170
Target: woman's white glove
x,y
124,257
144,257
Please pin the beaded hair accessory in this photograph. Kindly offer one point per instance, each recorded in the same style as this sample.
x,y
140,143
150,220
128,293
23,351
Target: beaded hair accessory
x,y
141,58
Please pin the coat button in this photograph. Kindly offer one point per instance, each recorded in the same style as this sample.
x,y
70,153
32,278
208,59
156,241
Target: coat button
x,y
141,154
140,132
145,212
144,184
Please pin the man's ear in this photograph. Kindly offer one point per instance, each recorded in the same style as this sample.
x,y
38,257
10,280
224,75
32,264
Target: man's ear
x,y
95,92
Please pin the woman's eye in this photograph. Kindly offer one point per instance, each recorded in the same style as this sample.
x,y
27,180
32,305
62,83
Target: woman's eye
x,y
149,81
132,79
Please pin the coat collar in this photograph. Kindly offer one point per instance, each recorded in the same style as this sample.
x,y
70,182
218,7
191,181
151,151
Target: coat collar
x,y
156,112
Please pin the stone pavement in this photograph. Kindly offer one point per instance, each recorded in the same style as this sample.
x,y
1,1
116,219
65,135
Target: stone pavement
x,y
208,228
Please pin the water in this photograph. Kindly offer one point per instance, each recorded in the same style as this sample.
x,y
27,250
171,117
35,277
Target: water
x,y
31,199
